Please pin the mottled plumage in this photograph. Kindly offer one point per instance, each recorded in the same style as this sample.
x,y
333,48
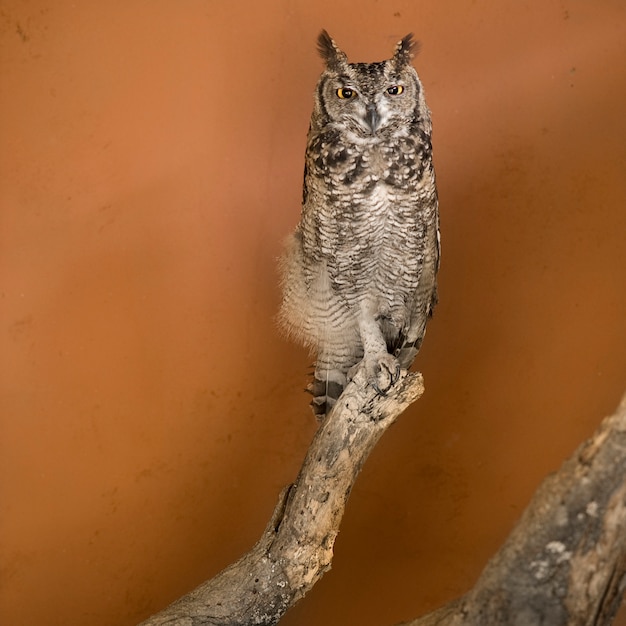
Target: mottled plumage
x,y
359,273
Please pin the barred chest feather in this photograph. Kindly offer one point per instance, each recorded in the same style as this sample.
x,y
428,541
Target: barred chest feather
x,y
364,215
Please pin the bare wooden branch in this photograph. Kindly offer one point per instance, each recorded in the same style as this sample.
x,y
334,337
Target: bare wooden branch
x,y
297,545
565,561
564,564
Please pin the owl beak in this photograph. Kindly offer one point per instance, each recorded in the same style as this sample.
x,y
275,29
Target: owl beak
x,y
372,119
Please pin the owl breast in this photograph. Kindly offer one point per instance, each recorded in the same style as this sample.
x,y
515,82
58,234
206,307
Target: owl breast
x,y
366,227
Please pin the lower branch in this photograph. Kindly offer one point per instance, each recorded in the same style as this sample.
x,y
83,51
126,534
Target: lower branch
x,y
297,545
564,564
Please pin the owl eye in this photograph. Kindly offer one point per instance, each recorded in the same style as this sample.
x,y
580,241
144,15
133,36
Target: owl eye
x,y
345,93
395,90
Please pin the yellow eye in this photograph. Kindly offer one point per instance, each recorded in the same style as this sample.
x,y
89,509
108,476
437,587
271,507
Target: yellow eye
x,y
345,93
396,90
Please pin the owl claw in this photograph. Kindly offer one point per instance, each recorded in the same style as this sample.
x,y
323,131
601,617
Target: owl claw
x,y
379,391
382,373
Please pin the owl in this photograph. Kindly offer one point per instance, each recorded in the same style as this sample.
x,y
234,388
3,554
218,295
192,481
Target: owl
x,y
359,272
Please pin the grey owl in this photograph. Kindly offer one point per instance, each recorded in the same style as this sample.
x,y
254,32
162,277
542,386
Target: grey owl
x,y
359,273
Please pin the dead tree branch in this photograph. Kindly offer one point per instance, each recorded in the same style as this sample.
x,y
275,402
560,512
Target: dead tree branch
x,y
564,564
297,545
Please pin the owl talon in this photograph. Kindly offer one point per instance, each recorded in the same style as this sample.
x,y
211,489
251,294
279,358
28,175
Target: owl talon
x,y
378,390
382,373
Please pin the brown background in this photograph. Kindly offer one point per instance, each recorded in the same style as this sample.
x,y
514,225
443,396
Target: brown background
x,y
151,161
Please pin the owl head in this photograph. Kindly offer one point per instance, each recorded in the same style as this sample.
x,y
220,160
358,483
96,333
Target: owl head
x,y
369,100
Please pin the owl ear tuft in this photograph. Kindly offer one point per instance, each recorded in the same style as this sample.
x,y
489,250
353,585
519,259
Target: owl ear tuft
x,y
406,49
330,52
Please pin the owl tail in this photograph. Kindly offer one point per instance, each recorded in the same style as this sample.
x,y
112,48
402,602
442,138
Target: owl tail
x,y
325,393
329,380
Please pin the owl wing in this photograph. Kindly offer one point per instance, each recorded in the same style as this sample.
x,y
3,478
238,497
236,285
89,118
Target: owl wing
x,y
408,342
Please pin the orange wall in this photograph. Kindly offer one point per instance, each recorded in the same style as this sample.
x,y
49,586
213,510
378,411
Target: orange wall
x,y
151,158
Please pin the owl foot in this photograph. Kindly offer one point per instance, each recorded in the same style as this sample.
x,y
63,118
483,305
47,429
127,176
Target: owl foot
x,y
381,371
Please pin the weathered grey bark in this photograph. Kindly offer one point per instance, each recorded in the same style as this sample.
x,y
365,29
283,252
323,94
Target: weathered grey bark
x,y
297,545
565,561
563,564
